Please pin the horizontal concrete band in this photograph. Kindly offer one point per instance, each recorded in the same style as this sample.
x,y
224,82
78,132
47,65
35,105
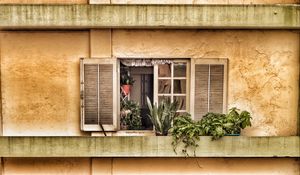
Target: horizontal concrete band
x,y
150,16
150,146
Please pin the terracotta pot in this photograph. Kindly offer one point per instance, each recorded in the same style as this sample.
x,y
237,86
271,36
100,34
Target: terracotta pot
x,y
126,89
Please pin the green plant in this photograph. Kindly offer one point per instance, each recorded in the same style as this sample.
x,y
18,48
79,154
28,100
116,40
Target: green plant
x,y
213,125
217,125
187,131
130,115
126,79
236,121
162,116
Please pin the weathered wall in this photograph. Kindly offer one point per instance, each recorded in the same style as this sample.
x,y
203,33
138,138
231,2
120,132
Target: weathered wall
x,y
118,166
263,68
44,1
40,73
59,166
150,1
40,82
194,1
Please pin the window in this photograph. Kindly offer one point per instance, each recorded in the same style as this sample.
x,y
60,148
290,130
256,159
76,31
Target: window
x,y
199,86
172,83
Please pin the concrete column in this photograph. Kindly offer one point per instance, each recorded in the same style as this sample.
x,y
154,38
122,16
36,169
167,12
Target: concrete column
x,y
102,166
100,46
100,43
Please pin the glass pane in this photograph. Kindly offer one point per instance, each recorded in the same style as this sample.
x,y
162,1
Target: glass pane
x,y
164,86
181,102
164,70
179,69
179,86
161,98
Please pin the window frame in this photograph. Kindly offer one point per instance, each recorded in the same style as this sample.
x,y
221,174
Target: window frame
x,y
172,78
209,61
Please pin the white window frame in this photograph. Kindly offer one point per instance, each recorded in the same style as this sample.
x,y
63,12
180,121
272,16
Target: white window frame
x,y
172,94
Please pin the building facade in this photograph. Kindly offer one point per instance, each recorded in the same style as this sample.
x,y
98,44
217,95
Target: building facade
x,y
222,54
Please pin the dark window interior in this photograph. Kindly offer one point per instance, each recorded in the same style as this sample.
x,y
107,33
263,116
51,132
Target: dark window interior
x,y
140,90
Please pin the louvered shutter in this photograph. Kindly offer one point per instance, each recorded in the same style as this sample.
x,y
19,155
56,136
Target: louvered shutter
x,y
209,84
98,96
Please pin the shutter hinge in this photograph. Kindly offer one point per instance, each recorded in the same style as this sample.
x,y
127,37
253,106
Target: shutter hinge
x,y
81,94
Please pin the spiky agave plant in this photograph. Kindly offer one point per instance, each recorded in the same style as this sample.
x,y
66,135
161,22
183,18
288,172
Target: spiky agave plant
x,y
162,116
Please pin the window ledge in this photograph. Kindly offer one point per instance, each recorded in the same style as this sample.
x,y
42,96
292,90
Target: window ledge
x,y
146,146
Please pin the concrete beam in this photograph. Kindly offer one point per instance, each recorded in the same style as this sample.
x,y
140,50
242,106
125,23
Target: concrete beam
x,y
150,146
150,16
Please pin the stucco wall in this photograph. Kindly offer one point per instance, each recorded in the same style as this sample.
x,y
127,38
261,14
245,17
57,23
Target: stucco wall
x,y
40,73
151,1
124,166
57,166
202,1
263,68
40,82
44,1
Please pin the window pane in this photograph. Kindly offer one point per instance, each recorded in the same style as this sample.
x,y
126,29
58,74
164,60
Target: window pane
x,y
179,86
164,70
179,69
181,102
164,86
161,98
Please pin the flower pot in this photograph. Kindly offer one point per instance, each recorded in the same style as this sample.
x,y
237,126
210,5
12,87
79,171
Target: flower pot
x,y
126,89
232,134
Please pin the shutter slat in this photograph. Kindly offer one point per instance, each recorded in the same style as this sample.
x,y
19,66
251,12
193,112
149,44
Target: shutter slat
x,y
216,88
201,90
106,93
90,93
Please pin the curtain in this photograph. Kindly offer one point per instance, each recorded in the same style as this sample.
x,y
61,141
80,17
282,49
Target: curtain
x,y
144,62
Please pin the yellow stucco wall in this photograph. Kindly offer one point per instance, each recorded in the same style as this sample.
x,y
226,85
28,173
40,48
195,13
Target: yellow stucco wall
x,y
40,73
151,1
44,166
202,1
44,1
159,166
263,68
40,82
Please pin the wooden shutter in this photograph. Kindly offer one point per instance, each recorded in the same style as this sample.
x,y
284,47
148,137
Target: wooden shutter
x,y
208,86
98,94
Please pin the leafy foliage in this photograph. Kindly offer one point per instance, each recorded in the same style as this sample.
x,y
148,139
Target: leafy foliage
x,y
162,116
187,131
130,115
126,79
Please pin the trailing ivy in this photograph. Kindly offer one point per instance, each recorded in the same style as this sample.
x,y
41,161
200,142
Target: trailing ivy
x,y
188,132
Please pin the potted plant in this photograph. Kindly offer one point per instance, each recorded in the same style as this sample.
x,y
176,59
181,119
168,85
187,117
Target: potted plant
x,y
126,82
162,116
236,121
130,115
187,131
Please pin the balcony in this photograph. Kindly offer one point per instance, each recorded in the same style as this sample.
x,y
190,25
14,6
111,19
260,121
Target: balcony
x,y
149,146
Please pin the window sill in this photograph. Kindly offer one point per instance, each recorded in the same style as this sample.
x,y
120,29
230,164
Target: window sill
x,y
150,146
126,133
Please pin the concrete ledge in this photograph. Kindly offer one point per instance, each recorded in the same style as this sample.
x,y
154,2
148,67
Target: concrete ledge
x,y
150,16
150,146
